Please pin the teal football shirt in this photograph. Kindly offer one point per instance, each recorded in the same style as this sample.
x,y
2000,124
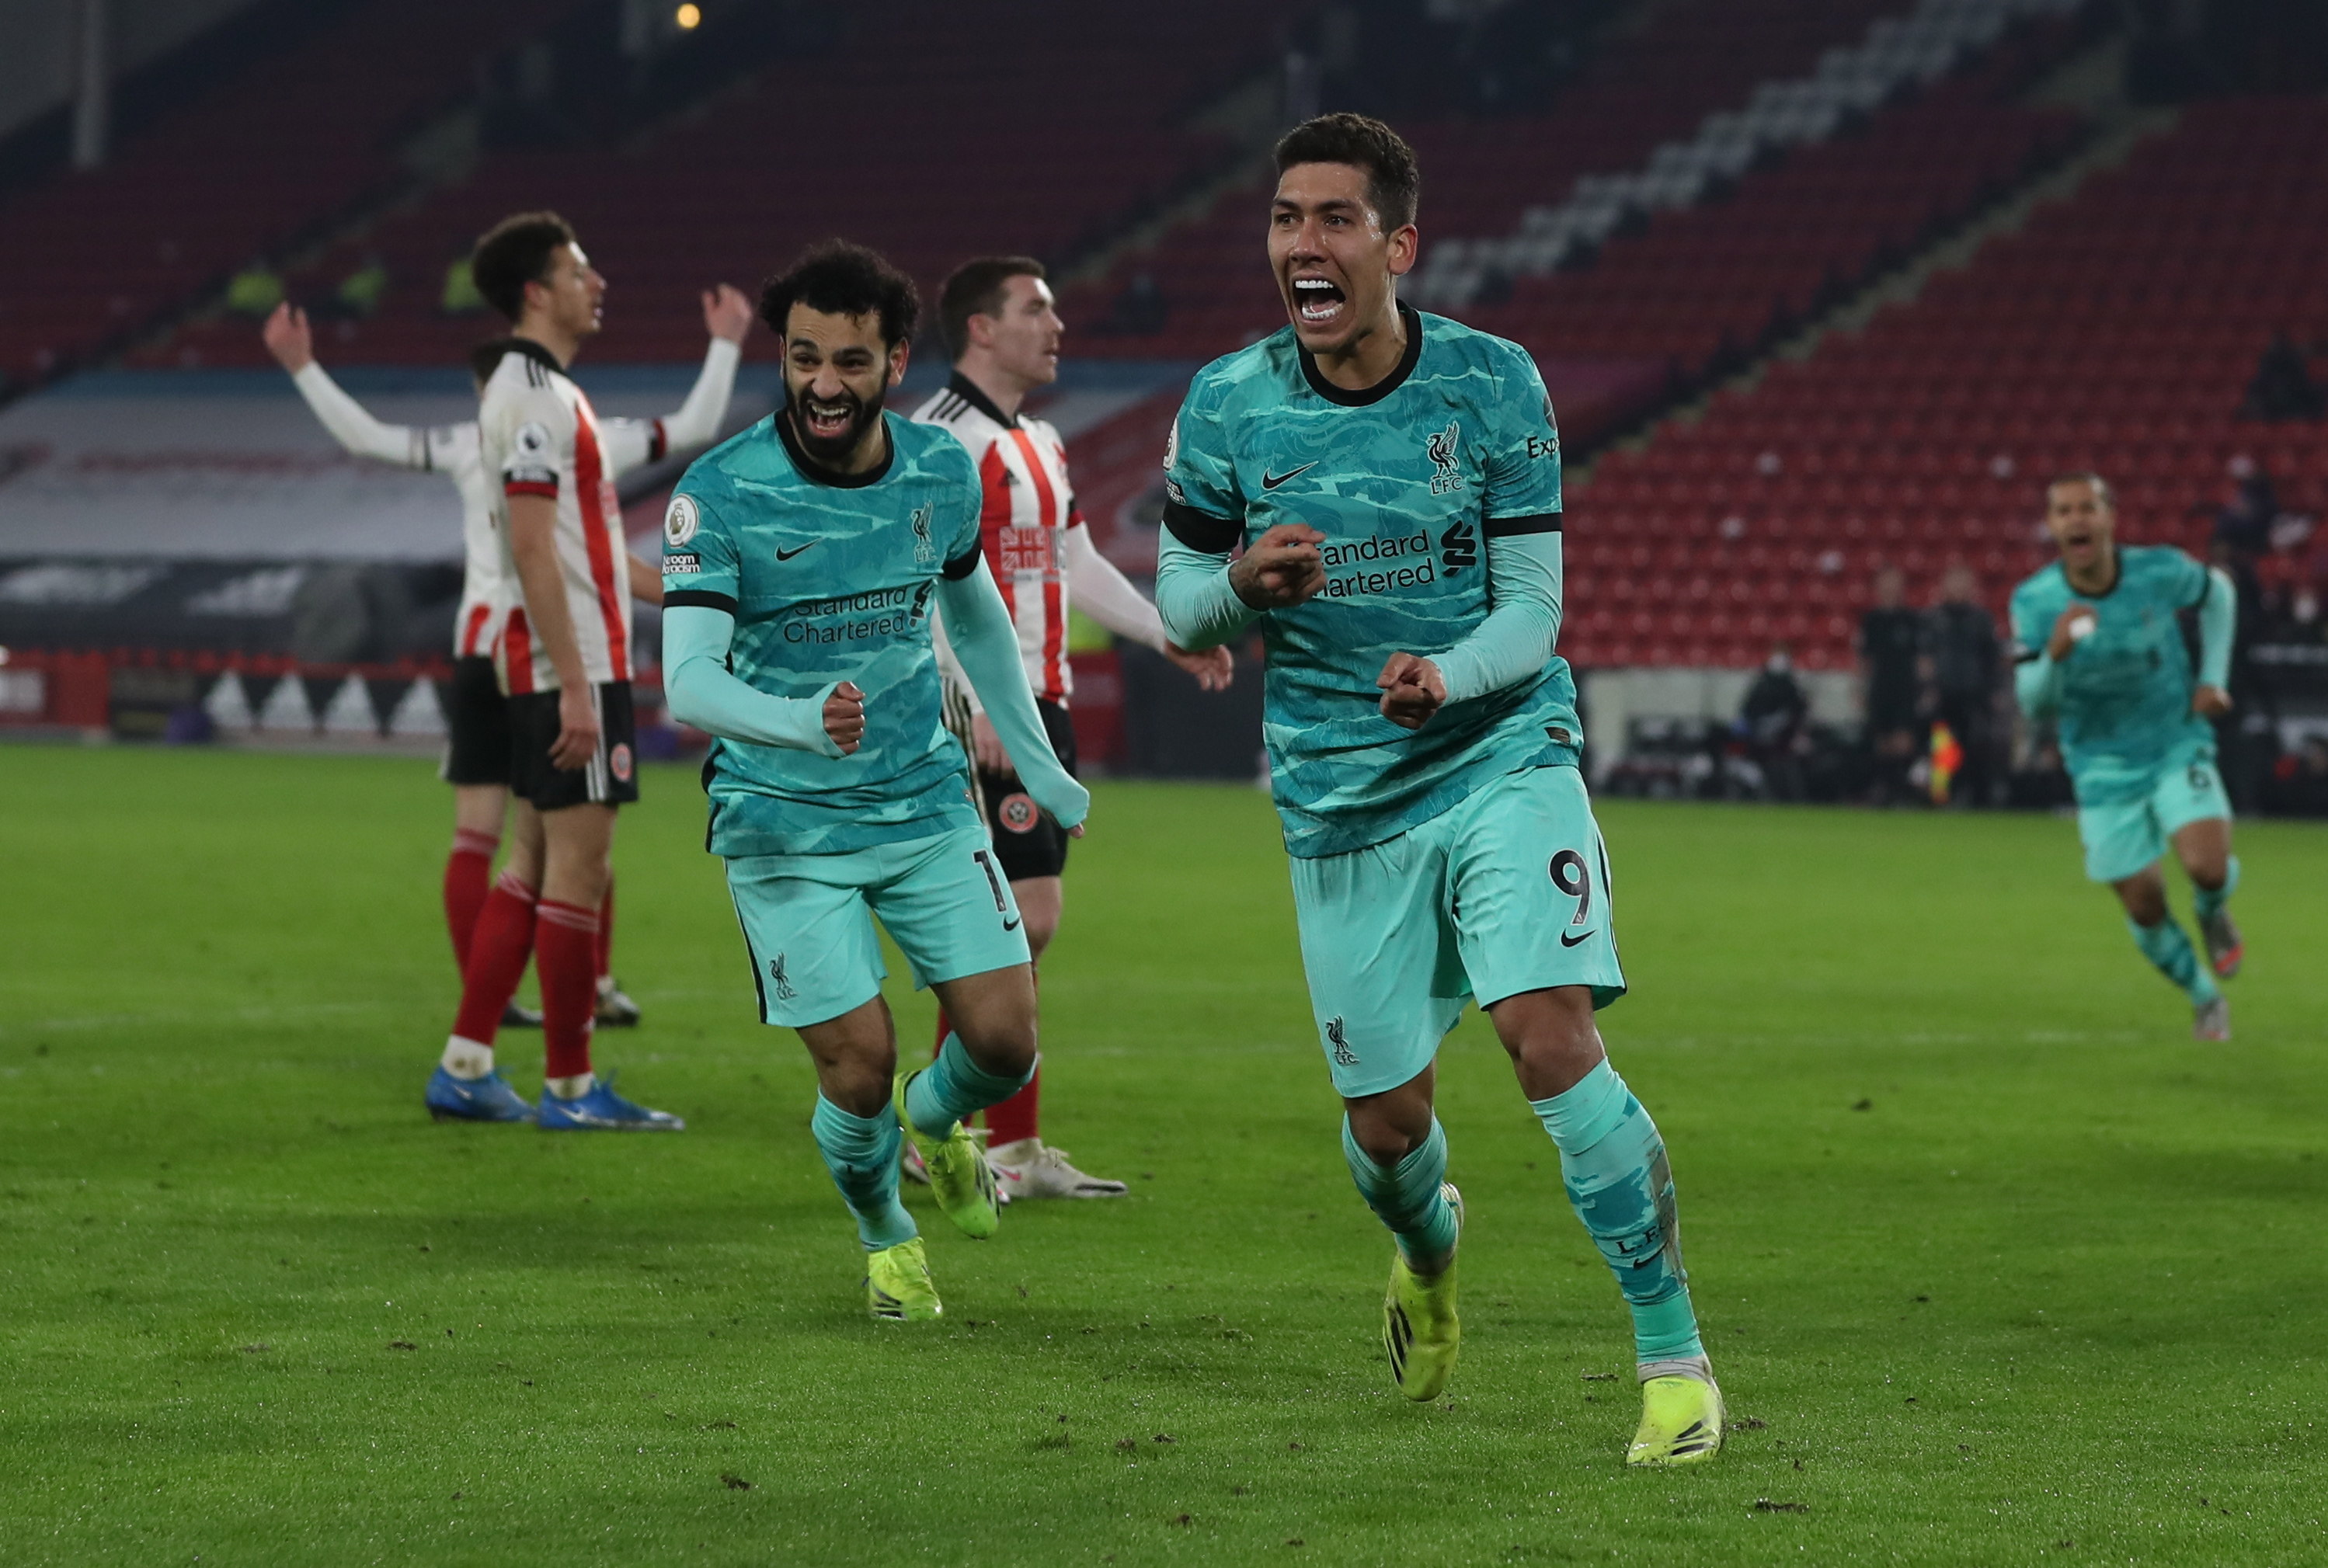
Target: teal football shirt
x,y
830,579
1406,480
2125,709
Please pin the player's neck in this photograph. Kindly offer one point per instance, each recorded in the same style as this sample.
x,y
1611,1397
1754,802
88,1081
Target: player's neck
x,y
1372,356
1005,391
562,345
2100,578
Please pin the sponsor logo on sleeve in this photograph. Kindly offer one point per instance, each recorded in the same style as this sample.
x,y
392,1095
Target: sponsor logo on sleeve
x,y
1172,445
681,522
680,564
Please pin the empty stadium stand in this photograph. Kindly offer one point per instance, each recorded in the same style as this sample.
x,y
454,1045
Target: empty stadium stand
x,y
274,149
937,134
2116,331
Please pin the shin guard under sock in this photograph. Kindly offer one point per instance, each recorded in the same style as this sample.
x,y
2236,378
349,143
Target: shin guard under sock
x,y
468,878
953,1087
1405,1196
498,950
1614,1165
2209,901
566,961
2169,950
861,1152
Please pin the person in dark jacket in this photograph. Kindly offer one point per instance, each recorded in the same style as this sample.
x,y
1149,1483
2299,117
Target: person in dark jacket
x,y
1963,654
1891,637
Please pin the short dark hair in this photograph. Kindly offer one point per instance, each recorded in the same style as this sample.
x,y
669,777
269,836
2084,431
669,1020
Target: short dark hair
x,y
842,278
2101,487
513,253
976,289
1393,179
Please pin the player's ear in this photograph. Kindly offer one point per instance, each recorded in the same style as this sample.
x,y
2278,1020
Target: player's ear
x,y
1405,246
898,354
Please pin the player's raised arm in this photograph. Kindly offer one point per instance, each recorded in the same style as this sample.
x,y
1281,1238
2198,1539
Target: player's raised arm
x,y
702,691
1108,596
1514,643
700,580
987,644
288,338
2219,620
1520,521
727,317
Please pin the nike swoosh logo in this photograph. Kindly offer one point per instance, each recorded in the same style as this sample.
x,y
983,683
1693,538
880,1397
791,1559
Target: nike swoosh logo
x,y
1272,481
1011,925
1568,940
786,555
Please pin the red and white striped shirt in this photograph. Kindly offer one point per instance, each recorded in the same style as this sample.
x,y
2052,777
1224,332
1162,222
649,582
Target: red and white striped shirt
x,y
539,434
1029,507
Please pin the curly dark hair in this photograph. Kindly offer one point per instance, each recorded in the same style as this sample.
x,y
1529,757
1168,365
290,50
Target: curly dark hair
x,y
842,278
1393,180
513,253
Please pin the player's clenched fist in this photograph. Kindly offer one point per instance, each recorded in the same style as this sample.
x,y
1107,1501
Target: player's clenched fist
x,y
1412,688
578,730
844,716
2072,627
1281,569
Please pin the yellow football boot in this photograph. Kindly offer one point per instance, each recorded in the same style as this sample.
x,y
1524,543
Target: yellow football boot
x,y
1421,1332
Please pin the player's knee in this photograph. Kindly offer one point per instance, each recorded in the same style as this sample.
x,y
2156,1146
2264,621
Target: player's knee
x,y
1382,1140
1040,929
2146,902
1003,1046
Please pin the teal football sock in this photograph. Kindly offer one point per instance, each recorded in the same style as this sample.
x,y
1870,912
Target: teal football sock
x,y
1614,1165
2166,947
1405,1196
2209,901
861,1152
953,1086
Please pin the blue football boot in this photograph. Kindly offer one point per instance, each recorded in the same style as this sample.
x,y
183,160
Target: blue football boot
x,y
486,1099
601,1110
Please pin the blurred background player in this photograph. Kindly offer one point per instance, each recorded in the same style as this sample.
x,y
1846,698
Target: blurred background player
x,y
804,558
565,662
1443,846
2098,643
1002,329
476,714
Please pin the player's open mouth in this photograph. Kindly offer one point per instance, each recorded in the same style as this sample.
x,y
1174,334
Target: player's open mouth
x,y
1318,301
827,421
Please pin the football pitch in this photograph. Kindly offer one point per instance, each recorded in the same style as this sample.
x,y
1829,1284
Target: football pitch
x,y
1995,1264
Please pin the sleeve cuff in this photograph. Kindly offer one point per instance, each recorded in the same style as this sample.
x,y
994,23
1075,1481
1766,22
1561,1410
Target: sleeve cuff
x,y
701,599
658,442
962,565
546,489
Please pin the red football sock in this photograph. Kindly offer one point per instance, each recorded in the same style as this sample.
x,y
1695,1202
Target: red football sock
x,y
1014,1118
468,875
565,957
498,950
605,951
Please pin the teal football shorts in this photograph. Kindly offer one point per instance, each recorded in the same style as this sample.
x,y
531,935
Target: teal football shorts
x,y
808,920
2123,836
1506,892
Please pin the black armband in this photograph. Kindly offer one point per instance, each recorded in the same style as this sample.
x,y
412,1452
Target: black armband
x,y
962,565
1201,530
699,599
1505,526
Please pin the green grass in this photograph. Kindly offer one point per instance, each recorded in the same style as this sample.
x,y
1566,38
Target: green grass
x,y
1998,1266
